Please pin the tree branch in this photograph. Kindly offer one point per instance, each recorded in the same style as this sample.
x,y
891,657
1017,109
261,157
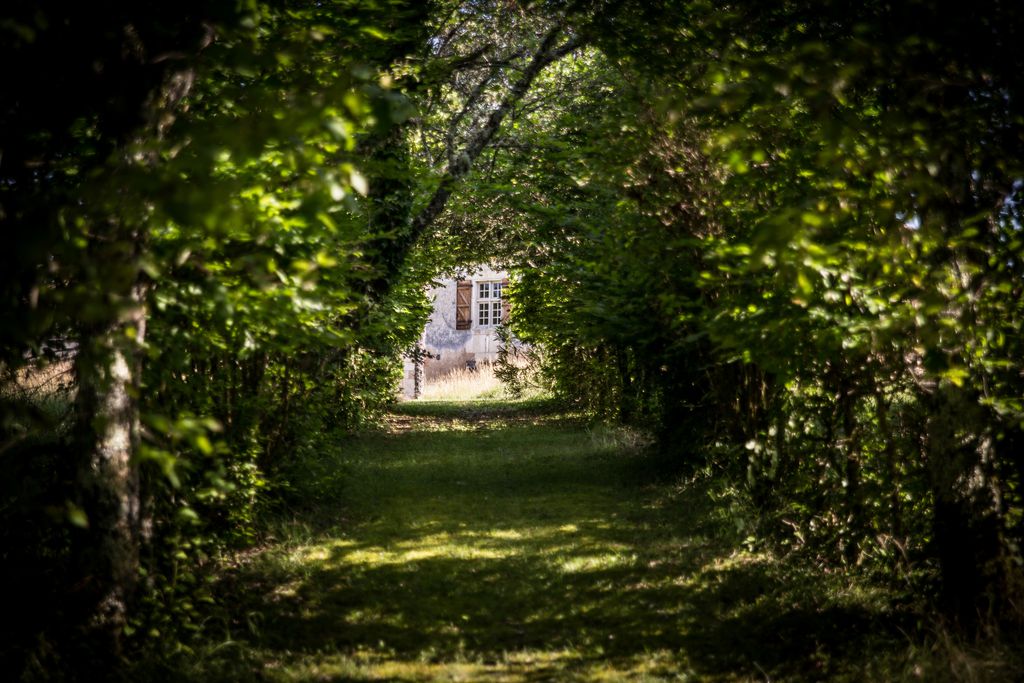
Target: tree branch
x,y
471,102
547,53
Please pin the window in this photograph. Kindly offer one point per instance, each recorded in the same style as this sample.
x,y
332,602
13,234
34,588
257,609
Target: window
x,y
488,304
492,308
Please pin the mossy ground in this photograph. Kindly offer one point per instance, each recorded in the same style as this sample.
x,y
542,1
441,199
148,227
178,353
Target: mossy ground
x,y
503,542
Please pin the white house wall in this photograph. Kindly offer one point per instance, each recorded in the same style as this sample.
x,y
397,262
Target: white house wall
x,y
440,338
440,335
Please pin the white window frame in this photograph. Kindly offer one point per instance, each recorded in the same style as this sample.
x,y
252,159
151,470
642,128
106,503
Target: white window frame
x,y
487,302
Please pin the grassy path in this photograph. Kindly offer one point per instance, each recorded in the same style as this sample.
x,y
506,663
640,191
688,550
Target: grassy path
x,y
504,545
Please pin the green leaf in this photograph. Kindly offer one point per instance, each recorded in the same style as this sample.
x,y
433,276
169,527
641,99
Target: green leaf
x,y
77,516
812,219
202,442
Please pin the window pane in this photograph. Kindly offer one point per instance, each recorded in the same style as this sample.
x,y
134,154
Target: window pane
x,y
484,318
485,290
497,290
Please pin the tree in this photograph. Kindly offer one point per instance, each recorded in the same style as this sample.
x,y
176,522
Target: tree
x,y
213,212
127,201
794,265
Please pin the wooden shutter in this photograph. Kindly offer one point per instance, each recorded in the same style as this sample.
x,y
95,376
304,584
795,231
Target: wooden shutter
x,y
463,304
505,304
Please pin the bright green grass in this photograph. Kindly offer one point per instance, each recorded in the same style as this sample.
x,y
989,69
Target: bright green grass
x,y
499,542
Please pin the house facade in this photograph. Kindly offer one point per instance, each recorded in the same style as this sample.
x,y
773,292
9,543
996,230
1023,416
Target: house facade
x,y
461,330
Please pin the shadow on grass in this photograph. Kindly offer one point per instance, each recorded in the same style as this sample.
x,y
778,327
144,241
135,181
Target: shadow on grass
x,y
480,414
529,552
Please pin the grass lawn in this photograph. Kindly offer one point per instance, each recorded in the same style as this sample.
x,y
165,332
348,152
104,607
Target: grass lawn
x,y
502,542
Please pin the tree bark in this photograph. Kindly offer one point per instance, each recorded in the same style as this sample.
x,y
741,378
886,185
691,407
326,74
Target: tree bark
x,y
108,490
891,467
108,367
967,523
850,448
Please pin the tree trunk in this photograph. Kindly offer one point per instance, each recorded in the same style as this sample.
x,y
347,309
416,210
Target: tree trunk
x,y
850,447
891,467
628,402
108,490
967,523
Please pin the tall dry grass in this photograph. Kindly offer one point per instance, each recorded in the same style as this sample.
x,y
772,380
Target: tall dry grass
x,y
36,399
435,369
460,384
41,381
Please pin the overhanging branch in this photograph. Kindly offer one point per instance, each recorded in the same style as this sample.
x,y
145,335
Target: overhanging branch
x,y
547,53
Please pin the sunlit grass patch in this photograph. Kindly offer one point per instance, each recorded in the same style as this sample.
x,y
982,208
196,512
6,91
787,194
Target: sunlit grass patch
x,y
596,562
379,556
517,666
569,548
514,666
